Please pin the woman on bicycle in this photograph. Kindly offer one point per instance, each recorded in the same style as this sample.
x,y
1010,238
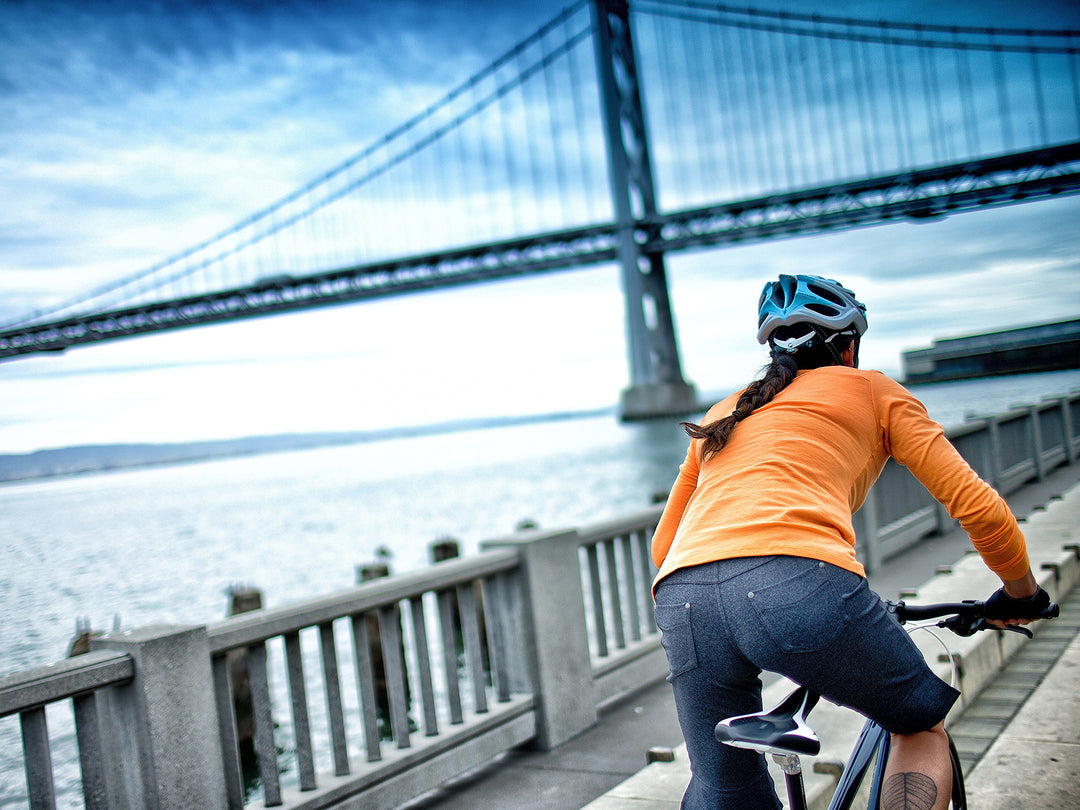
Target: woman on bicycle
x,y
756,552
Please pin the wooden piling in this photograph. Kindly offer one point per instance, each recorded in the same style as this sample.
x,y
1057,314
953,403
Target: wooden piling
x,y
243,599
367,573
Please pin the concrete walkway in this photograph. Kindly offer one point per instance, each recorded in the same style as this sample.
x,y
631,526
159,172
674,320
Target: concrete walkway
x,y
605,768
1035,761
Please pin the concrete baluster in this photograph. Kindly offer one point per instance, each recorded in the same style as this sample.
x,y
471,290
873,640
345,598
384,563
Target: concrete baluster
x,y
997,464
1070,426
243,599
449,548
1035,415
162,727
553,628
867,529
369,573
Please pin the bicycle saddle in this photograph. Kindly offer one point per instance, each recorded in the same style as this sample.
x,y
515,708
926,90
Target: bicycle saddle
x,y
783,729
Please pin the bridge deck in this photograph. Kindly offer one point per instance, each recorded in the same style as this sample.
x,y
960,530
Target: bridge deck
x,y
922,194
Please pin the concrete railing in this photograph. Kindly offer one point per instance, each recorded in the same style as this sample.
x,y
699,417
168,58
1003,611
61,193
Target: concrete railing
x,y
144,718
619,573
81,680
373,696
433,659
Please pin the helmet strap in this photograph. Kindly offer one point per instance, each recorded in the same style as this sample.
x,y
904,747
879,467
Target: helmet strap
x,y
828,341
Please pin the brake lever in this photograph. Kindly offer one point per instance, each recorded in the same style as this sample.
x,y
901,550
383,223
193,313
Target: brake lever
x,y
965,629
1016,628
961,627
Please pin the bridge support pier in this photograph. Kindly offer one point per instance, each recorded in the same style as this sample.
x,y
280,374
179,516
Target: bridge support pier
x,y
660,399
657,387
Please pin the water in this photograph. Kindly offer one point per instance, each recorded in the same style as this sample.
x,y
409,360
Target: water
x,y
164,544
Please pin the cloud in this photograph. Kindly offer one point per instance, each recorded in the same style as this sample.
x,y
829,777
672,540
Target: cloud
x,y
136,130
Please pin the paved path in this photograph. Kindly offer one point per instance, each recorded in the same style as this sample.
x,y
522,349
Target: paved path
x,y
1033,675
604,768
1035,760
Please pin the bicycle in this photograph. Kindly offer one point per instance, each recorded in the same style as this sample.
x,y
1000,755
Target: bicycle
x,y
783,732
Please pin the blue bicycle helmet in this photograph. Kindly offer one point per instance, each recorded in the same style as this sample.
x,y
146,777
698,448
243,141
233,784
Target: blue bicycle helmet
x,y
808,299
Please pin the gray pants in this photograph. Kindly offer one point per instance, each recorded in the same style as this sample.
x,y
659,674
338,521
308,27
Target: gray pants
x,y
821,626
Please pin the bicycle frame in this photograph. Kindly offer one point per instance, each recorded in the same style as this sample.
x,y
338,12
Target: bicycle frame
x,y
873,741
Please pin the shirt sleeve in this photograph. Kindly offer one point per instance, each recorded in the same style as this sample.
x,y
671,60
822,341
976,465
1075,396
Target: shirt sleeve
x,y
920,444
681,490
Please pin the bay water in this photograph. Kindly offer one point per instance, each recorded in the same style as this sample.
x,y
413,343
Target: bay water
x,y
133,547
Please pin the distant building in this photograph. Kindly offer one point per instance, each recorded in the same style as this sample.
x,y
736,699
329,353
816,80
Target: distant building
x,y
1045,347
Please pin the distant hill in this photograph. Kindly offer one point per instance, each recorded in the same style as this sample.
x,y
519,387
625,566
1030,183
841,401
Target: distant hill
x,y
100,458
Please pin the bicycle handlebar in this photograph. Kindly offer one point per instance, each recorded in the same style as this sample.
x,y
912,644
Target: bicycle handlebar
x,y
965,618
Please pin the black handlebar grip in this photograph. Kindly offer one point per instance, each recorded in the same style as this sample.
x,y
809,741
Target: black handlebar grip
x,y
1001,606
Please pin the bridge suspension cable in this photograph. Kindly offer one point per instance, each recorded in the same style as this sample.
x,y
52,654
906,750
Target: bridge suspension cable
x,y
760,123
830,99
406,189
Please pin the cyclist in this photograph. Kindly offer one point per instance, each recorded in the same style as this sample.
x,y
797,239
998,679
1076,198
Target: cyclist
x,y
756,552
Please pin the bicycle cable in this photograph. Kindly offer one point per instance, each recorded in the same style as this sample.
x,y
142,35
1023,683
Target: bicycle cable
x,y
932,629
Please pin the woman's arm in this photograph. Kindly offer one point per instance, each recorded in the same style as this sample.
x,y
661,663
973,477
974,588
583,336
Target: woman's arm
x,y
920,444
681,490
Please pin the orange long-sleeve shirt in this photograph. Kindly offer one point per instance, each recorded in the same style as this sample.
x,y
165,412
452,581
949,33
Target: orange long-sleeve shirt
x,y
795,470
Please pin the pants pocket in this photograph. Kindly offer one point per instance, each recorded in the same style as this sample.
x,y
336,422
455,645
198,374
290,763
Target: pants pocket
x,y
804,613
677,636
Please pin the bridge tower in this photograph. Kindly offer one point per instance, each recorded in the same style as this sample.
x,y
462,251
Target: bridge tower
x,y
657,387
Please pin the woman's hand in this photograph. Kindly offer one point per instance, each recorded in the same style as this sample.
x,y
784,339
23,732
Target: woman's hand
x,y
1020,601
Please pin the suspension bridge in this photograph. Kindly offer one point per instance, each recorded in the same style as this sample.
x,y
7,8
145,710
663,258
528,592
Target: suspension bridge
x,y
621,132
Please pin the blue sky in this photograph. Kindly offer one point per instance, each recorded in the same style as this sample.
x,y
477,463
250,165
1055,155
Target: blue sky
x,y
132,131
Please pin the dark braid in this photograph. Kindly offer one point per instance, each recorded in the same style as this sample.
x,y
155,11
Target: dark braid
x,y
778,375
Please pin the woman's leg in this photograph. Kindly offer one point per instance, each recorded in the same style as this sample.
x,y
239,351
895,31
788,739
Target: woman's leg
x,y
824,628
722,777
918,775
711,680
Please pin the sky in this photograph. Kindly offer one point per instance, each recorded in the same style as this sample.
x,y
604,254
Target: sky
x,y
131,131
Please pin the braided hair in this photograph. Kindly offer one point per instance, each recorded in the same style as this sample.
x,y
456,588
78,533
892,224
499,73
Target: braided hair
x,y
823,349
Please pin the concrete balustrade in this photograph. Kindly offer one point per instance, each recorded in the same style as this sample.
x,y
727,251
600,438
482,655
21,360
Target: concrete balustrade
x,y
84,681
375,695
619,572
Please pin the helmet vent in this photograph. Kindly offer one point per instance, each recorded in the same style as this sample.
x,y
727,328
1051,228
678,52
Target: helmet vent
x,y
824,292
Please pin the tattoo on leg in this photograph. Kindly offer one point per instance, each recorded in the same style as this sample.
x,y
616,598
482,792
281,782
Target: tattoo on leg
x,y
908,791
